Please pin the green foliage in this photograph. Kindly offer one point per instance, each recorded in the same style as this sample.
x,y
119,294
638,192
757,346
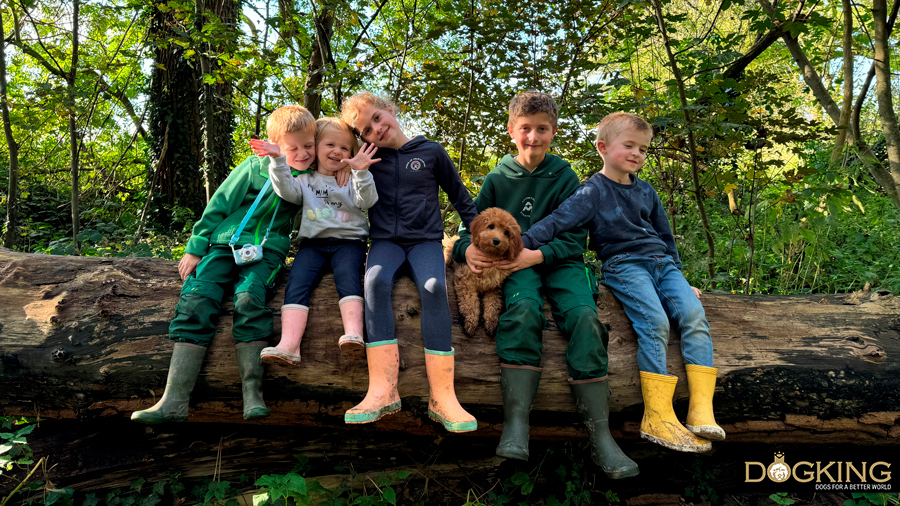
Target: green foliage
x,y
14,449
570,484
872,499
699,487
781,498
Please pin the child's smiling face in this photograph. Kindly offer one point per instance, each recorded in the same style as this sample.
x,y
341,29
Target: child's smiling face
x,y
334,145
298,148
532,134
624,154
379,127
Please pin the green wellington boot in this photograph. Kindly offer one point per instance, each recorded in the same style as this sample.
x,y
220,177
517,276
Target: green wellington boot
x,y
591,399
518,386
183,371
251,369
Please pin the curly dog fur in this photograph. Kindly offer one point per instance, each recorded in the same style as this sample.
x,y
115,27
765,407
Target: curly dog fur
x,y
496,233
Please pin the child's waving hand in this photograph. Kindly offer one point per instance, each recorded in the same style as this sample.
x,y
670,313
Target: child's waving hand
x,y
265,148
363,159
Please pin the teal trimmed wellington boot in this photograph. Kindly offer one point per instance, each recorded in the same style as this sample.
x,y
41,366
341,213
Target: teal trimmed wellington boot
x,y
518,384
183,371
443,406
382,397
251,369
591,399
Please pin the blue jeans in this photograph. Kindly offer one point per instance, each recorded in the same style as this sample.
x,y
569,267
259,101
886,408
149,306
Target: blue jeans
x,y
345,256
652,290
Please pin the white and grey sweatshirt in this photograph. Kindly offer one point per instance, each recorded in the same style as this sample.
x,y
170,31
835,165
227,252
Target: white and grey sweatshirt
x,y
329,211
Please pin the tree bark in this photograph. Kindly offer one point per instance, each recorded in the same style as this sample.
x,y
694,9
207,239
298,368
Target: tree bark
x,y
12,195
847,105
73,129
86,338
319,57
692,145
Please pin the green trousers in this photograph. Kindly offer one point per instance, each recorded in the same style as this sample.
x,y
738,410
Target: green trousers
x,y
202,294
570,287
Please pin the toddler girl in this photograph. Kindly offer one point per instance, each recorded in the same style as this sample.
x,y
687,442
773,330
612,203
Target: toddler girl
x,y
333,228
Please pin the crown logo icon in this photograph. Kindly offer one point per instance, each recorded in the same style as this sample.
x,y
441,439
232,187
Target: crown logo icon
x,y
778,470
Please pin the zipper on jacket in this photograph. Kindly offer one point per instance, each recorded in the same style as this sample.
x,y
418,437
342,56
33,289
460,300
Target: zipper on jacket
x,y
396,195
263,219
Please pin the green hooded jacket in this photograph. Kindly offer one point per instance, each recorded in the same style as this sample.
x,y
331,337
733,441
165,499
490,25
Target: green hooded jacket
x,y
230,203
529,197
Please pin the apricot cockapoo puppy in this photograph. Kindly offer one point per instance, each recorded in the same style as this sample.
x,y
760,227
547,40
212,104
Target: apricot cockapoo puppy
x,y
496,233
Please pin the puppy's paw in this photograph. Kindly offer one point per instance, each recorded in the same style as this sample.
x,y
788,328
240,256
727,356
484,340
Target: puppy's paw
x,y
490,327
470,325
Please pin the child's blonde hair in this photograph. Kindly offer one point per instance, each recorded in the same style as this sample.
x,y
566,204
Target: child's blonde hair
x,y
289,119
616,123
533,102
352,106
323,124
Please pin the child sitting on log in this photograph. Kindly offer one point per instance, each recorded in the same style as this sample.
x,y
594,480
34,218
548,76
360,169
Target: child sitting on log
x,y
531,185
245,212
333,229
406,230
641,266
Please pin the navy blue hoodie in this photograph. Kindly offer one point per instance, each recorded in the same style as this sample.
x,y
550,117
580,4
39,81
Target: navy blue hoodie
x,y
407,181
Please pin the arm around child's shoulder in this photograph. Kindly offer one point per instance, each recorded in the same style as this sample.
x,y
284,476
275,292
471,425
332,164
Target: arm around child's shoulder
x,y
574,212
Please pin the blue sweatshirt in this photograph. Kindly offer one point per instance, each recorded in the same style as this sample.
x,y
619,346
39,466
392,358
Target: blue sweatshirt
x,y
625,218
407,181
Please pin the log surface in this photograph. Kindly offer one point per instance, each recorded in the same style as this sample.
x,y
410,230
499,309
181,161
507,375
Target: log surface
x,y
86,338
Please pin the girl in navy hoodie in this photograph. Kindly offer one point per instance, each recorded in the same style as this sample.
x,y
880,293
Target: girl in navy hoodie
x,y
406,230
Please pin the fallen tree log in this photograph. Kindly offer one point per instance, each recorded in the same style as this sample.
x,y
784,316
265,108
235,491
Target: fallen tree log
x,y
87,337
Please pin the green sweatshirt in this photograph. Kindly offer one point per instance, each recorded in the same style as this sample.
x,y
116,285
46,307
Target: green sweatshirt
x,y
529,197
228,206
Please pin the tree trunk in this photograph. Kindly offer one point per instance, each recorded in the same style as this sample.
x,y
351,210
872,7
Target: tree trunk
x,y
847,105
73,130
692,145
883,90
319,57
12,195
174,106
86,338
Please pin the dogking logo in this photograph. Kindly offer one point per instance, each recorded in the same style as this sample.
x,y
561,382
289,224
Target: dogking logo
x,y
860,475
415,165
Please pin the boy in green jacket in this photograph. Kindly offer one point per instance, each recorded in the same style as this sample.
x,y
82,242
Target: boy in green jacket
x,y
209,267
530,186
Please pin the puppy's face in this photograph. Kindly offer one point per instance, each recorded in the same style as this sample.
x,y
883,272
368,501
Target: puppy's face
x,y
496,233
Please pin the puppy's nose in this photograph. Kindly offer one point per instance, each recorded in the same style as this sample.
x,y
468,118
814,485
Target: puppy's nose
x,y
495,241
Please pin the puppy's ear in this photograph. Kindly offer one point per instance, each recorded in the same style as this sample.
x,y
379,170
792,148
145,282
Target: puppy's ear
x,y
476,228
515,240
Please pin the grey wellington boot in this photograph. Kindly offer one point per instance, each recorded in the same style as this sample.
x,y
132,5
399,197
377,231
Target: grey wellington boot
x,y
591,400
251,369
518,387
183,371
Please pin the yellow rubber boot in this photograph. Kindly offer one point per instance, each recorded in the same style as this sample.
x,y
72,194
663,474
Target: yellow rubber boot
x,y
660,425
382,397
444,407
700,419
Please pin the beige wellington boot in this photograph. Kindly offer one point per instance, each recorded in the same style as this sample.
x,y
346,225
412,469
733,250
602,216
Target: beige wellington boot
x,y
660,425
700,419
384,373
444,406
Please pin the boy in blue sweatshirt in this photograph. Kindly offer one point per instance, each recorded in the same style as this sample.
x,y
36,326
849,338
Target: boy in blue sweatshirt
x,y
632,237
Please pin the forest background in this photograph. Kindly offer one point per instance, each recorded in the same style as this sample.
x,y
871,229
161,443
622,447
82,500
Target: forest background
x,y
777,148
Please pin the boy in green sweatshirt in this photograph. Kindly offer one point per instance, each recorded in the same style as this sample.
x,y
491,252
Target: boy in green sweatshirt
x,y
531,185
245,201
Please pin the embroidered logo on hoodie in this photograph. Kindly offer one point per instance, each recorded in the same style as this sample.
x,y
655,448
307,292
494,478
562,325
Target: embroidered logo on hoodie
x,y
415,164
528,205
